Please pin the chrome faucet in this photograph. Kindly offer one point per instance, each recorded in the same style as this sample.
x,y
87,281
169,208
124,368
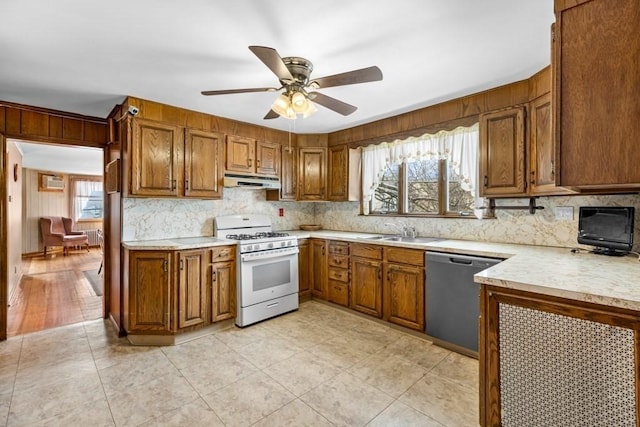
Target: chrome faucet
x,y
403,229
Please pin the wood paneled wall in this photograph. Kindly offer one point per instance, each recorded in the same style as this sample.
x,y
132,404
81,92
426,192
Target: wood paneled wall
x,y
14,216
43,125
446,115
196,120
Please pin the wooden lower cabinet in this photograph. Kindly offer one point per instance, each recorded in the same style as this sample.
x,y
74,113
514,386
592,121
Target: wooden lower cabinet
x,y
338,276
172,292
319,268
546,359
223,291
192,288
403,301
148,291
366,279
304,268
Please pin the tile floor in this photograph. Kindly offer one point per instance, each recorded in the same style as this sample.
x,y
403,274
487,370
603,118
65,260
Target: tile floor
x,y
319,366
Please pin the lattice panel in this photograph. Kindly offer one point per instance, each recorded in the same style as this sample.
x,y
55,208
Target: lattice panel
x,y
560,371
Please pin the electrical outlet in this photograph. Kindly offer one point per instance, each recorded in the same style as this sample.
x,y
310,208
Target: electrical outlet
x,y
564,213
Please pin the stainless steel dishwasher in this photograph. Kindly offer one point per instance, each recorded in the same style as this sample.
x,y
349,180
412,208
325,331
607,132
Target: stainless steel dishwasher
x,y
452,302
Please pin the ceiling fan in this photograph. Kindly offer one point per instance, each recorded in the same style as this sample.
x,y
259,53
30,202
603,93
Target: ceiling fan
x,y
299,95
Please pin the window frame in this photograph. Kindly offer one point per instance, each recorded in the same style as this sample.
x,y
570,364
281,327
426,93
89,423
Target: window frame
x,y
72,196
443,196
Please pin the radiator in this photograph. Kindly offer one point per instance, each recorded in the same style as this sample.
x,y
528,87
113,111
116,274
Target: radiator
x,y
93,237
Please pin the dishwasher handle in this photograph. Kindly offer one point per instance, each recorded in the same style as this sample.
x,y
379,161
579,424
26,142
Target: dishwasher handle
x,y
461,260
464,261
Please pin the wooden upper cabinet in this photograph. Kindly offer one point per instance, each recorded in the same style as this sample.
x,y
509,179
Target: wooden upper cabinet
x,y
312,166
289,174
192,288
338,175
167,160
597,108
241,154
267,158
150,279
156,158
502,153
246,155
203,164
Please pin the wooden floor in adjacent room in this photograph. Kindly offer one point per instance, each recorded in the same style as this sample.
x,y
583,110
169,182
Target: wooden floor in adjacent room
x,y
56,291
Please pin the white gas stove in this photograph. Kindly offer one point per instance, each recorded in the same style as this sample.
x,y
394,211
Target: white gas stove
x,y
267,273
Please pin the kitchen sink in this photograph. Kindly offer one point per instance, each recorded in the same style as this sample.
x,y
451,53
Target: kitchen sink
x,y
407,239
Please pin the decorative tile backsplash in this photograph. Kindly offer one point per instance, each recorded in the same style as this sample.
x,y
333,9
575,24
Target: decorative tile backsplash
x,y
149,219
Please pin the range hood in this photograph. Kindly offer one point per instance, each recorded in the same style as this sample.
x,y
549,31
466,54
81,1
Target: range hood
x,y
250,181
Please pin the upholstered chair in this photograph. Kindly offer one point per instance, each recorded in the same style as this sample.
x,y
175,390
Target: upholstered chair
x,y
57,231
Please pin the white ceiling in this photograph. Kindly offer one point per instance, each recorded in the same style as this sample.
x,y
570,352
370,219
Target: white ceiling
x,y
62,159
86,56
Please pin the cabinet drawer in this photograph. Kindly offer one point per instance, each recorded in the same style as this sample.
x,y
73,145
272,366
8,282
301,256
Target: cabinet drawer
x,y
366,251
223,253
404,256
338,293
339,248
339,274
340,261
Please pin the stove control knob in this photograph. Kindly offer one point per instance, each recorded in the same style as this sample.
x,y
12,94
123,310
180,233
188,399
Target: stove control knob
x,y
283,244
256,247
270,245
248,247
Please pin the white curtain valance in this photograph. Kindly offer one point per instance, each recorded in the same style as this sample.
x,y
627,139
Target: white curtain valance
x,y
459,147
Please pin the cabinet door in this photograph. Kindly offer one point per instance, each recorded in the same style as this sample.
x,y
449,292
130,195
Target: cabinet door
x,y
156,158
338,175
319,268
267,158
366,286
596,93
289,174
150,277
203,164
312,173
240,154
304,268
404,295
502,156
223,291
192,288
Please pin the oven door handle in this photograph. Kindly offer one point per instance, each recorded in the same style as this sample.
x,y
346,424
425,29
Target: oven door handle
x,y
266,255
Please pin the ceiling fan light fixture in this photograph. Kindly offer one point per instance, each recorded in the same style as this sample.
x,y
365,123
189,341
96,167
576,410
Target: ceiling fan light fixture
x,y
310,111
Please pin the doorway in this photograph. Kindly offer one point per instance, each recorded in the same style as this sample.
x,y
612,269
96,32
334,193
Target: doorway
x,y
57,288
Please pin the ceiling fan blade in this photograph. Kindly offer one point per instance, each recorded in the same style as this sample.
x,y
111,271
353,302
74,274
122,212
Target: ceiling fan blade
x,y
332,103
272,60
271,115
363,75
230,91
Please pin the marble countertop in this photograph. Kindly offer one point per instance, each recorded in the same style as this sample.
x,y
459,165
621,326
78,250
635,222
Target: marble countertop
x,y
177,244
582,276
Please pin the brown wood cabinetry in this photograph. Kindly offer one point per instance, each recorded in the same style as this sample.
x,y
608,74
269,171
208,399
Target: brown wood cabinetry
x,y
502,153
319,268
288,176
312,166
150,284
169,161
168,298
338,175
596,93
338,273
223,283
541,147
403,301
519,386
304,268
203,164
192,288
246,155
366,279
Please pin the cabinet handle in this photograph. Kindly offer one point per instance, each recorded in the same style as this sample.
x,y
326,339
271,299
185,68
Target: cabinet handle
x,y
249,162
258,163
181,264
186,184
533,174
379,274
173,184
323,250
213,276
165,266
486,181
